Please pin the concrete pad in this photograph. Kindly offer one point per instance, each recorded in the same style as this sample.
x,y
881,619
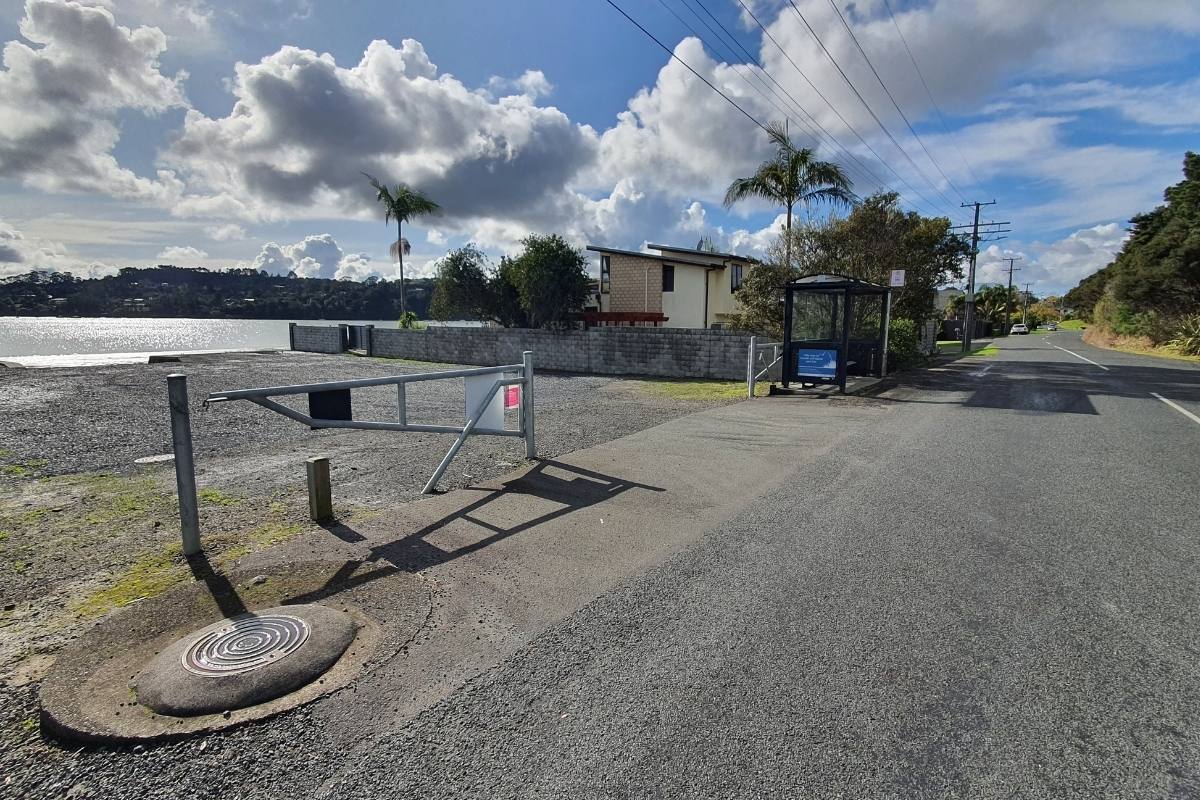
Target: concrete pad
x,y
245,660
87,694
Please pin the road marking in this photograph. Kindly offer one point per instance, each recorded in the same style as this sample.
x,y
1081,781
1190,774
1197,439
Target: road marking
x,y
1177,407
1085,358
983,371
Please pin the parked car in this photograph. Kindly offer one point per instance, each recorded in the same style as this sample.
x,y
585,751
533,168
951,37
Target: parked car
x,y
1053,326
1018,329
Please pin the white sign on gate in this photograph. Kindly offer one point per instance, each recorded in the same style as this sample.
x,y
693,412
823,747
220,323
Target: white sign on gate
x,y
477,388
897,277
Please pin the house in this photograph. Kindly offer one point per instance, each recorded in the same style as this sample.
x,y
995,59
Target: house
x,y
676,287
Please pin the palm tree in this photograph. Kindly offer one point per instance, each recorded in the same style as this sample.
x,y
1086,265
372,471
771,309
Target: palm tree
x,y
792,176
402,205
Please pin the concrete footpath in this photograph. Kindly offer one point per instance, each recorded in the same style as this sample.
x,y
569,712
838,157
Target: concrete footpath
x,y
505,560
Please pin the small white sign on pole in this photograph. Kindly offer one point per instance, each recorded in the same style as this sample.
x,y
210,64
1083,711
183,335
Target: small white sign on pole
x,y
897,277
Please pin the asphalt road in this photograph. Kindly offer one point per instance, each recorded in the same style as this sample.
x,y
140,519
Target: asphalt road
x,y
990,593
984,586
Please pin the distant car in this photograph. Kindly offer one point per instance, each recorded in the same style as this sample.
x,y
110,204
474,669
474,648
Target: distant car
x,y
1018,329
1052,327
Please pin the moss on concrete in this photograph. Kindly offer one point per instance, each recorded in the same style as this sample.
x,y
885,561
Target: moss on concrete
x,y
157,571
150,575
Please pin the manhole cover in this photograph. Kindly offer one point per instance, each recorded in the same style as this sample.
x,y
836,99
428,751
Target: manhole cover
x,y
245,644
245,660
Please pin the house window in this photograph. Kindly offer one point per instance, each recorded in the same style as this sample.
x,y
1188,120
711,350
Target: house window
x,y
735,277
605,276
668,278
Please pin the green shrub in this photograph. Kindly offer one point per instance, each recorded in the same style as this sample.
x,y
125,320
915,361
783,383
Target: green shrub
x,y
904,346
1187,336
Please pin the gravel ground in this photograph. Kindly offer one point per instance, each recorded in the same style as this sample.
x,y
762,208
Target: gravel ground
x,y
82,529
65,421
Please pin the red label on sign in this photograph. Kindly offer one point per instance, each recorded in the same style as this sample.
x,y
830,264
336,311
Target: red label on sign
x,y
512,397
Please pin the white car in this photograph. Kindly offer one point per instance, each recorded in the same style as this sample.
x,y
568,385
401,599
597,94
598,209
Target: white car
x,y
1018,329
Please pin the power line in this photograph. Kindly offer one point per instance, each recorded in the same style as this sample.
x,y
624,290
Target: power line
x,y
671,53
865,170
941,117
867,105
888,92
838,114
722,55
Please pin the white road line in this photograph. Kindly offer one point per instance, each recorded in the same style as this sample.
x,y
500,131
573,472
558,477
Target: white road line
x,y
1084,358
1177,407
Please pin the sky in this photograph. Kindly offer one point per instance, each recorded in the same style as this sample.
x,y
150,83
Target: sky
x,y
218,134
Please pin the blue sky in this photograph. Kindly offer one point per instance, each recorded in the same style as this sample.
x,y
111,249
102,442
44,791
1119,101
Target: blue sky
x,y
204,133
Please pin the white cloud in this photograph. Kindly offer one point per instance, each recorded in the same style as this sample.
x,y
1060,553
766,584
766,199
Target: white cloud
x,y
434,236
318,256
304,127
1058,266
532,84
225,233
20,253
1167,105
59,99
184,254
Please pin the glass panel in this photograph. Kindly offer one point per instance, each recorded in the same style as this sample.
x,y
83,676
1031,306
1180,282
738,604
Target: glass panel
x,y
816,316
866,316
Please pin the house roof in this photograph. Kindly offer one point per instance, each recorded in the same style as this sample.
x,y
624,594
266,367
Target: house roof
x,y
655,257
666,248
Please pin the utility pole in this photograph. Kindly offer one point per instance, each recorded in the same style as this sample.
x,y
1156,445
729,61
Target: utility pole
x,y
969,322
1025,305
1008,297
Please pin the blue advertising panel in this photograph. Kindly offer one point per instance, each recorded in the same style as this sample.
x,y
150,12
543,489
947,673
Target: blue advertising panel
x,y
817,364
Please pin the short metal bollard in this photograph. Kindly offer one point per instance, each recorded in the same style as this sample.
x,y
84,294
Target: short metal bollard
x,y
185,469
320,496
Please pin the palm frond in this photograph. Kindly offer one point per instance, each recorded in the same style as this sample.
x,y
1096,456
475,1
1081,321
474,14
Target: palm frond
x,y
395,248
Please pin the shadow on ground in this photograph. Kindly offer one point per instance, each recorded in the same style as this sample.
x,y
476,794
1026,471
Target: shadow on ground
x,y
550,490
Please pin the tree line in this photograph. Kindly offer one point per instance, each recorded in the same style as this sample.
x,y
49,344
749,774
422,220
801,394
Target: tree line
x,y
170,291
1151,290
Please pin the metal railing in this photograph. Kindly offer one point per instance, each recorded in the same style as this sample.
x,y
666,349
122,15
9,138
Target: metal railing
x,y
337,395
755,356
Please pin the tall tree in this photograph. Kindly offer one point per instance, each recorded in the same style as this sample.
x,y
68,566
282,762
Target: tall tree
x,y
401,204
551,278
793,176
462,290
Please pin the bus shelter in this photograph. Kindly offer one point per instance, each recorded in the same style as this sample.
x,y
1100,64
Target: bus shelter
x,y
834,326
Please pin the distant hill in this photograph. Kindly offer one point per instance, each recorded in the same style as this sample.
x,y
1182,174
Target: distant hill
x,y
167,291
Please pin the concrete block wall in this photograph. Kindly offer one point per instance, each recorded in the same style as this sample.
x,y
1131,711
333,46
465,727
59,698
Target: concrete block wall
x,y
316,338
656,352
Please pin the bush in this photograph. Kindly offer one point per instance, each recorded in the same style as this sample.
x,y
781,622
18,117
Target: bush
x,y
904,346
1187,336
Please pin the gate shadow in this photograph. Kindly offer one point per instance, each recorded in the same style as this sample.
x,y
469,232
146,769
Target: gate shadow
x,y
569,487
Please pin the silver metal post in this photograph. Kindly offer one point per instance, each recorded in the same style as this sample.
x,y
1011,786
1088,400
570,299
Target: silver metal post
x,y
750,366
185,469
887,323
402,402
527,403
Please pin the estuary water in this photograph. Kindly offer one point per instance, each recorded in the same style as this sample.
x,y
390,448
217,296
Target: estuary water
x,y
83,341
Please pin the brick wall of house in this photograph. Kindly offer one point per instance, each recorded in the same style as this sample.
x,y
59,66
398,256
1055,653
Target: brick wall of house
x,y
636,284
